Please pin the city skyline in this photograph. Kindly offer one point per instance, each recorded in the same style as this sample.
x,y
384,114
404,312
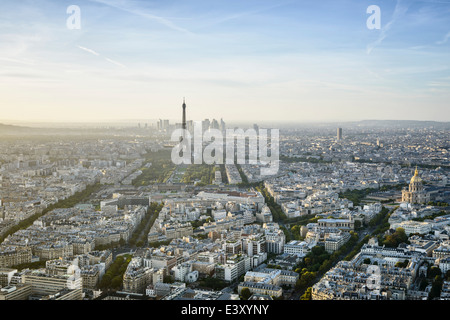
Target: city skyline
x,y
107,214
295,61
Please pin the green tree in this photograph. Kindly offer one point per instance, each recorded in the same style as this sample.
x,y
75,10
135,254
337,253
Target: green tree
x,y
168,279
423,284
447,275
393,240
112,279
140,243
213,283
307,295
116,282
436,288
403,264
245,293
305,280
433,272
318,250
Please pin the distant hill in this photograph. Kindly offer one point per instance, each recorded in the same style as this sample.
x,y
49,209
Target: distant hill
x,y
354,124
403,123
8,129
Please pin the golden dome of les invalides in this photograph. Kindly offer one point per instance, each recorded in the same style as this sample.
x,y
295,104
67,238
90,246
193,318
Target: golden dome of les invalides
x,y
416,179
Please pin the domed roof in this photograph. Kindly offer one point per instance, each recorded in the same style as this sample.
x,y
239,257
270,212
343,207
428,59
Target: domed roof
x,y
416,178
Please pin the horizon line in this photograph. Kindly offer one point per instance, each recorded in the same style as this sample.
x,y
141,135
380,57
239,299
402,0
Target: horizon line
x,y
145,121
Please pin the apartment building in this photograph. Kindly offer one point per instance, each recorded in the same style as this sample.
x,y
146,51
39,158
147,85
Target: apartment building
x,y
16,292
261,289
12,256
43,284
235,266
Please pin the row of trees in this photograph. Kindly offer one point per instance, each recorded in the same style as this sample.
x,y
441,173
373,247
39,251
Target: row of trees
x,y
69,202
113,277
317,262
438,203
431,217
213,283
357,248
223,172
308,268
380,221
356,196
160,170
245,183
275,208
242,174
30,265
199,172
411,165
111,245
139,236
299,222
76,198
436,278
303,159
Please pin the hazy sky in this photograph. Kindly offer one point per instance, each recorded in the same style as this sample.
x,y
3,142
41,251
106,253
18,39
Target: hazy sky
x,y
253,60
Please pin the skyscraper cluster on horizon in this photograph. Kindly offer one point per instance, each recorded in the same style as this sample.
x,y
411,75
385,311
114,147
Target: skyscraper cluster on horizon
x,y
207,124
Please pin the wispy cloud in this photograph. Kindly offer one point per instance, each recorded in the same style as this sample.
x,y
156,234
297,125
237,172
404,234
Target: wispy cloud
x,y
115,62
445,39
399,12
435,1
26,62
164,21
238,15
95,53
89,50
439,84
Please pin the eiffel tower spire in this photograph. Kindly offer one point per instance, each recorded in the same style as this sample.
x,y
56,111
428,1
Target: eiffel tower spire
x,y
183,123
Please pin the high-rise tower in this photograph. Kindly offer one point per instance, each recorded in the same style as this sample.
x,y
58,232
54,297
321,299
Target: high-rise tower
x,y
339,134
183,124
